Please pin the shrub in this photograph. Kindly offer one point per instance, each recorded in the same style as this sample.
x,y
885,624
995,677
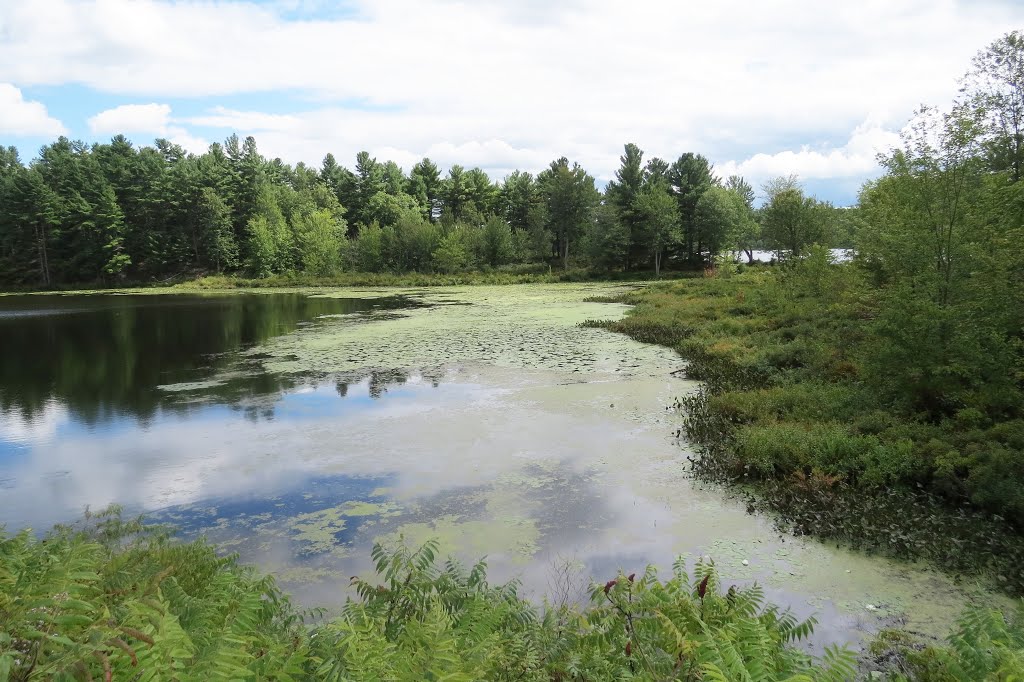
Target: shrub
x,y
986,645
116,600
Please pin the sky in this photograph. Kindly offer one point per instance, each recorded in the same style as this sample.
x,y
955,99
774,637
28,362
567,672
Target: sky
x,y
815,88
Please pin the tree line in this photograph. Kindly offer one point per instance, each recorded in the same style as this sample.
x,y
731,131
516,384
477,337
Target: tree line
x,y
112,212
881,401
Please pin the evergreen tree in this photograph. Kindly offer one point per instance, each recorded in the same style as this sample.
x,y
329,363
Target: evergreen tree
x,y
455,194
30,228
425,185
483,194
520,202
570,198
689,177
216,247
623,193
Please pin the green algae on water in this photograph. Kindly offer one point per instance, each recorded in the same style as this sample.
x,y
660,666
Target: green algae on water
x,y
554,440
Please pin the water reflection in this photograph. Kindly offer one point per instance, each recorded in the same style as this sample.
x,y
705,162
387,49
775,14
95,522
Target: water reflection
x,y
200,448
102,357
529,440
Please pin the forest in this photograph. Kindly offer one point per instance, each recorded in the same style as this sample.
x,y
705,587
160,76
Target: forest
x,y
108,214
112,213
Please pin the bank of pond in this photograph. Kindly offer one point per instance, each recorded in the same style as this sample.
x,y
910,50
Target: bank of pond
x,y
115,599
893,434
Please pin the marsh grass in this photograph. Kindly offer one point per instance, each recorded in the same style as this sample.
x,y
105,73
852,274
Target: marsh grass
x,y
790,409
506,275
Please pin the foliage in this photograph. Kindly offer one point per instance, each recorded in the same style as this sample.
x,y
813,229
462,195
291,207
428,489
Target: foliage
x,y
453,252
216,239
786,412
505,275
690,176
791,221
621,237
994,86
496,245
113,599
570,198
656,209
880,402
367,251
607,240
722,218
271,242
115,213
934,243
987,645
320,242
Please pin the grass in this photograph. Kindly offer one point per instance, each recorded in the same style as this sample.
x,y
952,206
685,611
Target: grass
x,y
789,412
506,275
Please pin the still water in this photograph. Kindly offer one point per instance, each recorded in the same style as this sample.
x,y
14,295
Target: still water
x,y
297,429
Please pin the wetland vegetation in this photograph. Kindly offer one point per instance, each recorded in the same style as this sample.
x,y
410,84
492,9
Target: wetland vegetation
x,y
356,437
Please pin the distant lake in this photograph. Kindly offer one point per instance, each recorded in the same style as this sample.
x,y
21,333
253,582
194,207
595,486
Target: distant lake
x,y
839,255
298,428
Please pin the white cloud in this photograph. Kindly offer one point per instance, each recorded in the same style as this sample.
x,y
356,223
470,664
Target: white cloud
x,y
132,118
153,119
857,158
519,82
21,117
41,427
221,117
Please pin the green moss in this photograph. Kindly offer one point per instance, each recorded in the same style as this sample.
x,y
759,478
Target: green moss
x,y
519,536
532,326
317,531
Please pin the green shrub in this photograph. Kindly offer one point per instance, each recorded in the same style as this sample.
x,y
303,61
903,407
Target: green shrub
x,y
426,622
115,600
987,645
783,448
809,370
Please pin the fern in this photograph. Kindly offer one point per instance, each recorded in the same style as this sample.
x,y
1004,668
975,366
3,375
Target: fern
x,y
986,645
112,599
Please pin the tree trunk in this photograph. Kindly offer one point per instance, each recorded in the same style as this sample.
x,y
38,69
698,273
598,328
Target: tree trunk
x,y
657,263
195,244
565,254
44,262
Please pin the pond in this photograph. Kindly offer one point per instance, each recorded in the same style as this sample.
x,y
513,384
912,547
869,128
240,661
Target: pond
x,y
297,428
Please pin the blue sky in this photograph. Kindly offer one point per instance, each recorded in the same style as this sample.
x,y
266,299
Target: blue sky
x,y
763,89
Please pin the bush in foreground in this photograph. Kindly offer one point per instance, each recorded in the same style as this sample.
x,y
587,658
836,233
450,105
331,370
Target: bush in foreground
x,y
115,600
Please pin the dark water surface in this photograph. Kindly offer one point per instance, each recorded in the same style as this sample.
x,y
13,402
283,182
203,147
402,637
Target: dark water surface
x,y
84,368
102,356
